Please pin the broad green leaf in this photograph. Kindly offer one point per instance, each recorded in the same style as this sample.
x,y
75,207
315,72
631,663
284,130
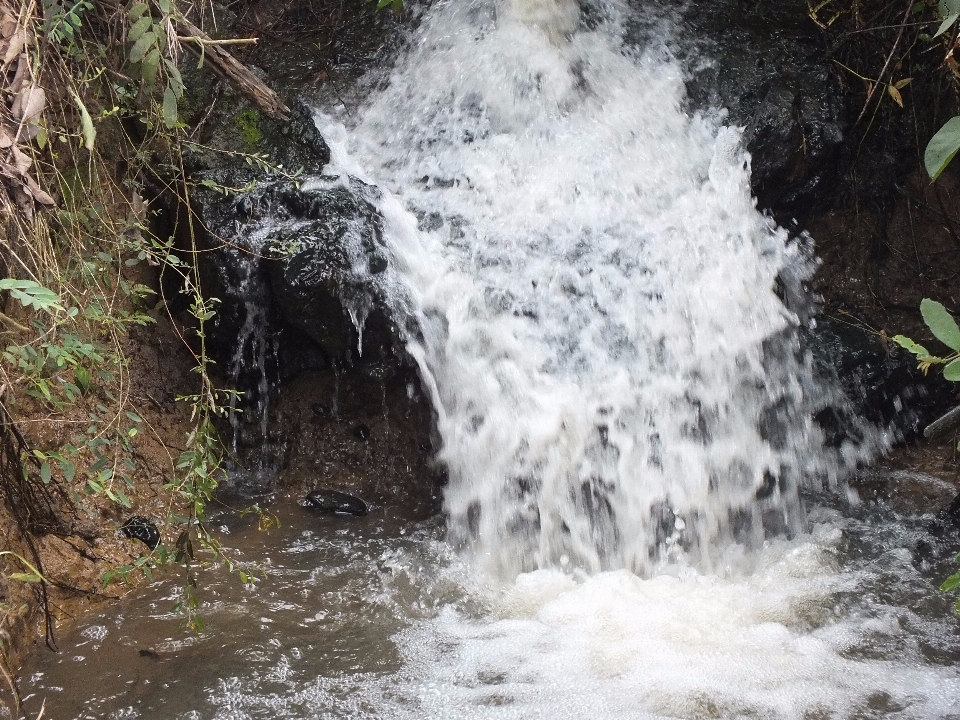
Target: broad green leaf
x,y
942,147
69,470
941,323
164,6
952,371
151,64
174,78
949,10
31,294
137,10
951,583
169,107
139,28
45,473
908,344
141,46
86,125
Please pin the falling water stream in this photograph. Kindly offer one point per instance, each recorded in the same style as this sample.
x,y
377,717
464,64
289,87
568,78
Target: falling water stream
x,y
642,518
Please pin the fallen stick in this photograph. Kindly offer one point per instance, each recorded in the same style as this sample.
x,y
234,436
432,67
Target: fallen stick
x,y
231,69
942,424
231,41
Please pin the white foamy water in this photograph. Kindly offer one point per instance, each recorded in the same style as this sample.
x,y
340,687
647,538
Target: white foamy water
x,y
614,375
614,645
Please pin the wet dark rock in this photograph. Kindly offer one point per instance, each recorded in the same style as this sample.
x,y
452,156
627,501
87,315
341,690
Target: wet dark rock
x,y
361,432
297,144
321,411
882,382
764,64
301,271
316,279
142,529
942,533
336,502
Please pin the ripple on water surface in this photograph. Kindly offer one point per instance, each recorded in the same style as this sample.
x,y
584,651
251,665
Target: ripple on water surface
x,y
377,618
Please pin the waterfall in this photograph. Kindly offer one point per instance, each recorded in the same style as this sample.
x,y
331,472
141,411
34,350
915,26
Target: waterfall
x,y
615,376
609,330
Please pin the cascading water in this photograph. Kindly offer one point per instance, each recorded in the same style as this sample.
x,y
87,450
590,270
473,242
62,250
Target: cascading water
x,y
614,374
625,415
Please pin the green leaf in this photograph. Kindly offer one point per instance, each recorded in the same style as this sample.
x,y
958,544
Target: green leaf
x,y
86,124
952,371
31,294
907,344
45,472
942,147
174,78
951,583
137,10
164,6
949,10
69,469
169,107
144,43
139,28
151,63
941,323
26,577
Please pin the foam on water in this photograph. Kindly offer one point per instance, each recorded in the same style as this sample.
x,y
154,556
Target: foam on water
x,y
687,646
613,645
377,618
594,293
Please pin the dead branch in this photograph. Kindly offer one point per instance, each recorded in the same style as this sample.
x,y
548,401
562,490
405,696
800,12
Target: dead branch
x,y
233,70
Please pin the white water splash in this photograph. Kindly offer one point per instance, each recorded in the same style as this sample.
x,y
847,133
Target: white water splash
x,y
614,375
616,646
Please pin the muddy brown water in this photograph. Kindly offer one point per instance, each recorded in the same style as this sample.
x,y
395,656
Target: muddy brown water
x,y
378,617
336,590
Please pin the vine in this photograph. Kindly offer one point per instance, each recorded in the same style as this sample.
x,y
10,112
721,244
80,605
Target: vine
x,y
77,73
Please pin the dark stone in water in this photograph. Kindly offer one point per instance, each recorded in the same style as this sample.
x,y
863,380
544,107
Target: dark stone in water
x,y
320,411
882,383
333,501
361,432
140,528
